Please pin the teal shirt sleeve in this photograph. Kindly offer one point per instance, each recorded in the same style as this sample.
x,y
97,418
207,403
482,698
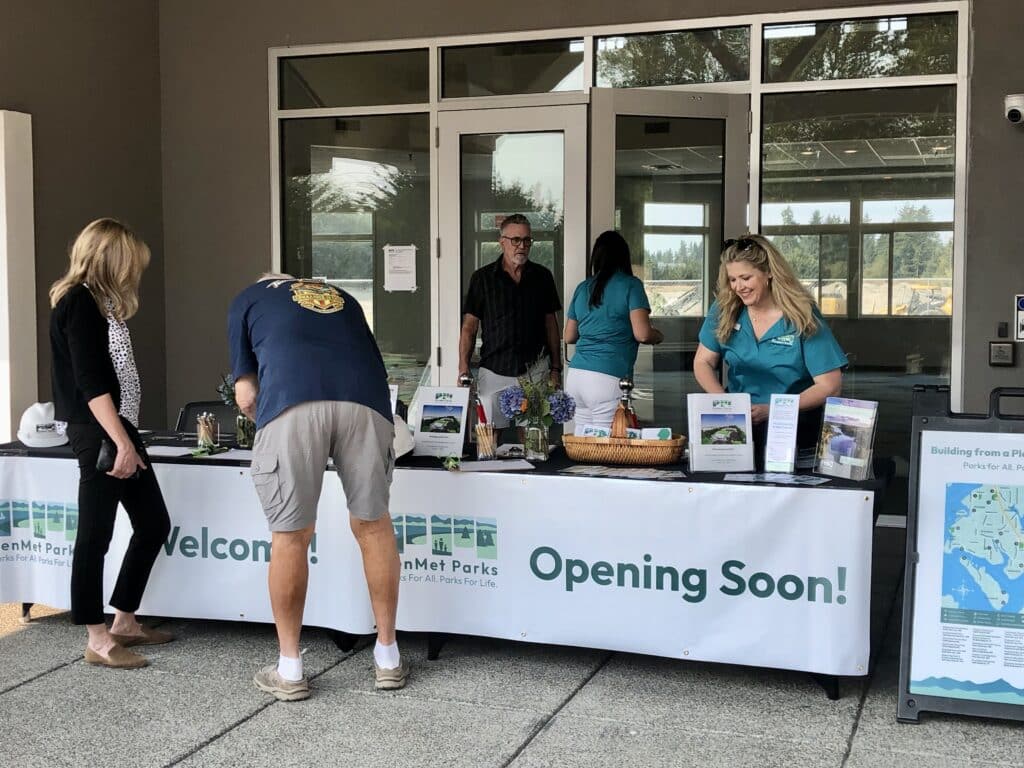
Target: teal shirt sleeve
x,y
637,297
707,331
822,352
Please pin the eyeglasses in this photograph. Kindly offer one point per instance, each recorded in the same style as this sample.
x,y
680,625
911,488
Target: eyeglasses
x,y
742,244
526,242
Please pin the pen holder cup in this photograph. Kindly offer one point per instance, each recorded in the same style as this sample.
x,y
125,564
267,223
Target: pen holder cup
x,y
486,442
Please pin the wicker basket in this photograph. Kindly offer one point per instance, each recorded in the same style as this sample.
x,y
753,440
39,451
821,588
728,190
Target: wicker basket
x,y
621,450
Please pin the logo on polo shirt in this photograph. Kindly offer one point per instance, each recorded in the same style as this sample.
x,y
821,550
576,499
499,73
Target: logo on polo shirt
x,y
785,341
317,296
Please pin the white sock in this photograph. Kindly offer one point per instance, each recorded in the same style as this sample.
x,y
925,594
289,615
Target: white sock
x,y
387,656
289,669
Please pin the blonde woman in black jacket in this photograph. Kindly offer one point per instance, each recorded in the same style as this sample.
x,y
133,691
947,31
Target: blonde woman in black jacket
x,y
96,391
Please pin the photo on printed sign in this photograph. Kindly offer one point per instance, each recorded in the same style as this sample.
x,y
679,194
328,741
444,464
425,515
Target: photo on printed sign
x,y
443,419
70,521
440,535
54,517
398,521
723,429
5,518
465,533
487,538
20,516
415,529
38,520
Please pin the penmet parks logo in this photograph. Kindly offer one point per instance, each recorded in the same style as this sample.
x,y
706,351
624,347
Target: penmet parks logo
x,y
40,529
448,550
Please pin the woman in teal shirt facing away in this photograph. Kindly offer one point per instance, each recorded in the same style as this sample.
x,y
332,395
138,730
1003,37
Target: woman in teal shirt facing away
x,y
771,334
608,318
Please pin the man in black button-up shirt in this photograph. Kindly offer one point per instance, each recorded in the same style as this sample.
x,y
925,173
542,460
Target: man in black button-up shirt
x,y
513,303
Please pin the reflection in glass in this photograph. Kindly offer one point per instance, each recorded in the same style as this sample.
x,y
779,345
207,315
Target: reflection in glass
x,y
674,58
856,48
509,173
354,79
669,174
349,187
503,69
859,186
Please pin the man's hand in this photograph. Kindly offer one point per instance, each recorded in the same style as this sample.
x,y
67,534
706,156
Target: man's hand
x,y
246,389
555,377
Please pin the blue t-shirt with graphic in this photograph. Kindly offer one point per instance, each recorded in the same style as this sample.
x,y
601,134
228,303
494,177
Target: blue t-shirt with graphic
x,y
305,340
606,343
781,362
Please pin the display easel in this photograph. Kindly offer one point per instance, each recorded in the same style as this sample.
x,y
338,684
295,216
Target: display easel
x,y
931,413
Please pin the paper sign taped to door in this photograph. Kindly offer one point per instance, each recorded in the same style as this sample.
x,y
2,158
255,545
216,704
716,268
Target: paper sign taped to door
x,y
399,267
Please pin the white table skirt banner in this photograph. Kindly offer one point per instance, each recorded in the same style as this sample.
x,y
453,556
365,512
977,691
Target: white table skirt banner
x,y
754,575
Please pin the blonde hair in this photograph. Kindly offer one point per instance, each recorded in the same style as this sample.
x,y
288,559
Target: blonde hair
x,y
109,259
786,290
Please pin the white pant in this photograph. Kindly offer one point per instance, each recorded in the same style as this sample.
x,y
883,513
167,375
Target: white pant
x,y
489,384
597,397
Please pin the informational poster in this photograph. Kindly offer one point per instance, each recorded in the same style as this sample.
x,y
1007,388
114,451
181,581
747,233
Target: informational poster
x,y
440,426
968,623
720,433
780,449
399,267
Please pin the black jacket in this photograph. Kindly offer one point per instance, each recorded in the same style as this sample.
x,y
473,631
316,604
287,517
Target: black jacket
x,y
82,368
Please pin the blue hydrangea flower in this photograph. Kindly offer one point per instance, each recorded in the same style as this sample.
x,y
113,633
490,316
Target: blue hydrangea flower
x,y
510,401
563,407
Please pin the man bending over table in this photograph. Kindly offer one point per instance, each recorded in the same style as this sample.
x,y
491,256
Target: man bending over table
x,y
309,373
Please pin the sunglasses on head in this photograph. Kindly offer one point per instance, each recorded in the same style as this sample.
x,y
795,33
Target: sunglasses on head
x,y
742,243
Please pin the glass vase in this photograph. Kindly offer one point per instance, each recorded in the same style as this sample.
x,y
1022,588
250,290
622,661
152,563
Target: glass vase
x,y
245,431
535,441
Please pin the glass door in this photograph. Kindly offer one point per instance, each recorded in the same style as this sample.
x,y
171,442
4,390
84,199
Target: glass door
x,y
493,163
669,171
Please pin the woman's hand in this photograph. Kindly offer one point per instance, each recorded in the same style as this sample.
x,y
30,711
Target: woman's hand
x,y
127,462
758,413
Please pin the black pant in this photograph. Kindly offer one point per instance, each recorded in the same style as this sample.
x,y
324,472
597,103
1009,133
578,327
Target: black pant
x,y
98,497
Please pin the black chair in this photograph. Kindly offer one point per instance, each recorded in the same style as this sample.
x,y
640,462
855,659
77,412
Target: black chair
x,y
224,414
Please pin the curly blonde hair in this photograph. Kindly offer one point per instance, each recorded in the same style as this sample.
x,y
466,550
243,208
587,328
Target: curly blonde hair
x,y
109,259
787,291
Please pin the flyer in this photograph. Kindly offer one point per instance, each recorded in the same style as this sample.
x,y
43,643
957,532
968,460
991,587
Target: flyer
x,y
780,448
847,437
968,630
720,433
441,421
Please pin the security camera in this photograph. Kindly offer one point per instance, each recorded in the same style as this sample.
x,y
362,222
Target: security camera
x,y
1013,107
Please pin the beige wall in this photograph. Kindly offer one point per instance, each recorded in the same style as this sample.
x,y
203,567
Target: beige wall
x,y
88,73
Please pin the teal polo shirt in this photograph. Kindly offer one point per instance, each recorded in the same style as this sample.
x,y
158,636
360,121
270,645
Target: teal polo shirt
x,y
780,363
606,343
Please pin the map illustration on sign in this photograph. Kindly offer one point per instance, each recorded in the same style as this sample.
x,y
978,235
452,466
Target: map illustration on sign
x,y
983,555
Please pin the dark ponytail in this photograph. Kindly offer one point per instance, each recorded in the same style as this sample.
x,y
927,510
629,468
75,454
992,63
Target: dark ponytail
x,y
610,255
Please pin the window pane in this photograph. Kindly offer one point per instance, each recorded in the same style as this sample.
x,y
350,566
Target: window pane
x,y
922,273
350,187
674,270
674,215
863,179
510,68
878,47
354,79
674,58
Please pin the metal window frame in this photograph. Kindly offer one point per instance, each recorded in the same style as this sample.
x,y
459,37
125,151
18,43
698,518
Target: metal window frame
x,y
754,86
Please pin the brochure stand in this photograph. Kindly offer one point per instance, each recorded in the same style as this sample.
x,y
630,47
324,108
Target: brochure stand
x,y
962,648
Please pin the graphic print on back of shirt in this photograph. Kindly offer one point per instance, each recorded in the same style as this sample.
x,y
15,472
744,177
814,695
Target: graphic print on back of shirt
x,y
317,296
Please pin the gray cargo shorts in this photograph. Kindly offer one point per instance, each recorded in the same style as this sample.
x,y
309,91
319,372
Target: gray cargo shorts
x,y
290,454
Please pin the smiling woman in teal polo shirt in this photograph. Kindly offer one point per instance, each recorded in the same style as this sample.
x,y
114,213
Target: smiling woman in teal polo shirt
x,y
772,336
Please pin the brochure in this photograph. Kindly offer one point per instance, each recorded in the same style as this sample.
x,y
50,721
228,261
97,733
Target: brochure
x,y
780,448
847,438
441,421
720,434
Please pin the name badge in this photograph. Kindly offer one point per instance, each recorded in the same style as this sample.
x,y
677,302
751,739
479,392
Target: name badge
x,y
784,341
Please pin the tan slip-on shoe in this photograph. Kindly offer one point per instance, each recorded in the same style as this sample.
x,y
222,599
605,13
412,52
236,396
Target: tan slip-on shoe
x,y
390,679
149,636
117,658
267,679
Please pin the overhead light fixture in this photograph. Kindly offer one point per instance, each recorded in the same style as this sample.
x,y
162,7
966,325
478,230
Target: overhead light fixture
x,y
808,152
850,151
940,149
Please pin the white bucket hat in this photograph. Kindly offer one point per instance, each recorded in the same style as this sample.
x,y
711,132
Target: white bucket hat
x,y
38,428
